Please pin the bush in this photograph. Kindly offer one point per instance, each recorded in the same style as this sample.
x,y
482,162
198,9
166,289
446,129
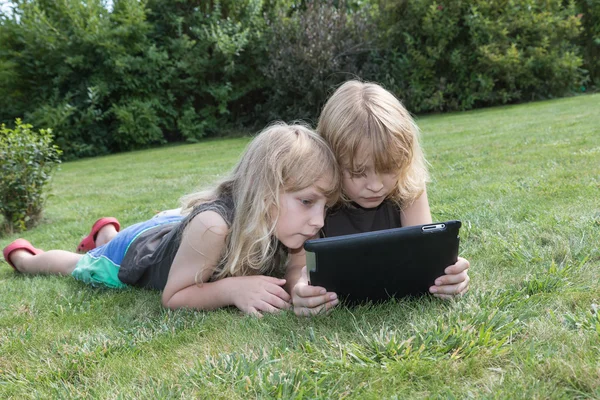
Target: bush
x,y
59,58
138,125
133,75
589,12
27,160
214,50
322,44
459,55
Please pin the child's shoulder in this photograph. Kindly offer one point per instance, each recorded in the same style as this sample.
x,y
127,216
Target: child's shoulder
x,y
209,220
206,233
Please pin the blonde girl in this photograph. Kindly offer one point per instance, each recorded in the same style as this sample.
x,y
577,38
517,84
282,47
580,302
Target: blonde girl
x,y
233,239
384,175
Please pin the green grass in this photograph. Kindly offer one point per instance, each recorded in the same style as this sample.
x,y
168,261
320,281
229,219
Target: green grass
x,y
525,181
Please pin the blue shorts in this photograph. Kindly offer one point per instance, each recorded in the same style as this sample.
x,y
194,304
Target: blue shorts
x,y
100,266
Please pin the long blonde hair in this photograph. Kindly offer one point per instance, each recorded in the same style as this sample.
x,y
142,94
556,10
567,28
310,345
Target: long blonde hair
x,y
282,158
366,116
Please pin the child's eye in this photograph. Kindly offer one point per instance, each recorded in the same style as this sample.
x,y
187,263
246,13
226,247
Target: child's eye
x,y
358,174
306,202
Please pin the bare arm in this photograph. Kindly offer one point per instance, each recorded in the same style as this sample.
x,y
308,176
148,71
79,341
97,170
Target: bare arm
x,y
417,213
201,248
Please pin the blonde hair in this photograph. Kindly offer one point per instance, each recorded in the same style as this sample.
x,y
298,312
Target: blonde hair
x,y
366,116
282,158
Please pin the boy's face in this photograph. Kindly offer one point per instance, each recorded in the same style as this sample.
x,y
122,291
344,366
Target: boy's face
x,y
368,188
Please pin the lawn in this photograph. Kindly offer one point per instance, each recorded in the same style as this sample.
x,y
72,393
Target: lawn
x,y
525,181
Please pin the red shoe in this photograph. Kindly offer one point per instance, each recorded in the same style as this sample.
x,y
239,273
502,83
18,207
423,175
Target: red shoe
x,y
89,242
19,244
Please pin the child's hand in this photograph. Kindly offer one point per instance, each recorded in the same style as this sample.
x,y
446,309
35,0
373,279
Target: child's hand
x,y
454,283
256,294
310,300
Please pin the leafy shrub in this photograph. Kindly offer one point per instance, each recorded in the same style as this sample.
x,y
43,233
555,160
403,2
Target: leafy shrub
x,y
138,125
189,68
589,12
319,46
459,55
27,160
73,61
214,52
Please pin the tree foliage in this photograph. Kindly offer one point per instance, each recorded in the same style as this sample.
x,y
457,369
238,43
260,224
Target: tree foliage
x,y
589,40
312,49
146,72
464,54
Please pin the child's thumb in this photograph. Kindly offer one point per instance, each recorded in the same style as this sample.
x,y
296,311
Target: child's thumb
x,y
304,274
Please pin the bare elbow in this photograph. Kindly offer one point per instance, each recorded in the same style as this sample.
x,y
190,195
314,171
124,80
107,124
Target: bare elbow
x,y
167,302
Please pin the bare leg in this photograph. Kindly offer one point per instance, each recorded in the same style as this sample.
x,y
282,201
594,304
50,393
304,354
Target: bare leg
x,y
54,262
105,235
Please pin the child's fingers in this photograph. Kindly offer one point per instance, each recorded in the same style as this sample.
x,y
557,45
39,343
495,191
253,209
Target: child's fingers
x,y
301,311
457,289
253,311
277,302
444,296
315,301
330,304
452,279
279,292
460,266
275,281
304,274
309,291
445,289
266,307
465,287
321,309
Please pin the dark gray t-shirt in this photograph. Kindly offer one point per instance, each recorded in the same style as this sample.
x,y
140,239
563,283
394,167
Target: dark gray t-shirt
x,y
349,219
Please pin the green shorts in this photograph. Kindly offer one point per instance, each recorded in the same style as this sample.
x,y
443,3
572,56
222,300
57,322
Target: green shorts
x,y
98,271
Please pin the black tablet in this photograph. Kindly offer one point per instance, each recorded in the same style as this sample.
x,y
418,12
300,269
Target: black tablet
x,y
382,264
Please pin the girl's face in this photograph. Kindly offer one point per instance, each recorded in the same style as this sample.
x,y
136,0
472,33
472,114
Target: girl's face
x,y
368,188
301,215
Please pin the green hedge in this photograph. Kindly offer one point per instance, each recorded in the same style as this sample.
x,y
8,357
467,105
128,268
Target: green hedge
x,y
154,71
589,13
146,73
464,54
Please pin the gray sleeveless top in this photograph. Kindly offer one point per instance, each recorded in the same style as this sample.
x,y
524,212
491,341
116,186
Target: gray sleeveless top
x,y
349,219
148,260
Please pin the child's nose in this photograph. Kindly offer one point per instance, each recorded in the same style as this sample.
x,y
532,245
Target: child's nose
x,y
318,219
375,183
